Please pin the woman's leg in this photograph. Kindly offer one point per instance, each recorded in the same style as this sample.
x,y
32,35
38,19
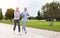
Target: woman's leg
x,y
18,25
14,25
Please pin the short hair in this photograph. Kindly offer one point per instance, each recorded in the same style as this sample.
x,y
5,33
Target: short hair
x,y
25,8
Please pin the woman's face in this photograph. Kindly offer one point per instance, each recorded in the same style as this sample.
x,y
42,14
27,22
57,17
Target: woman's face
x,y
17,9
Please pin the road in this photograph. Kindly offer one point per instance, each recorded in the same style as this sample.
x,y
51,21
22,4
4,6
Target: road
x,y
7,32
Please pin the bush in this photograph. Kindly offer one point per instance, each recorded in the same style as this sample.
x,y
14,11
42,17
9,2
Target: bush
x,y
1,16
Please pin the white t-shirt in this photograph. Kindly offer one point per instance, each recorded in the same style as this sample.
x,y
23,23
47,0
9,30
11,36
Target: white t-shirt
x,y
16,15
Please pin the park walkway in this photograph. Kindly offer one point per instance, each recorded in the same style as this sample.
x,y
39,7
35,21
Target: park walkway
x,y
6,32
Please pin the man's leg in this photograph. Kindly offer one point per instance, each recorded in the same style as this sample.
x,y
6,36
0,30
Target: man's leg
x,y
24,26
14,25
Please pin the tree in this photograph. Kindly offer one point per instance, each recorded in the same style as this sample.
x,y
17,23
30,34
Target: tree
x,y
38,15
51,11
9,14
1,16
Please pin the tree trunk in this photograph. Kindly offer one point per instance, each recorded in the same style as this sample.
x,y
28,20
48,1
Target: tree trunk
x,y
10,20
51,22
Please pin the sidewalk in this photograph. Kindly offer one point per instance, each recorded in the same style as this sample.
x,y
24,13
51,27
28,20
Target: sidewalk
x,y
7,32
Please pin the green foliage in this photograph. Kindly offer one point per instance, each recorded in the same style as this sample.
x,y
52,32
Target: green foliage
x,y
1,15
51,10
32,18
38,13
9,13
39,17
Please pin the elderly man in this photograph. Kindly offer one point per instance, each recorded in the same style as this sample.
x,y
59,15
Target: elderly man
x,y
24,19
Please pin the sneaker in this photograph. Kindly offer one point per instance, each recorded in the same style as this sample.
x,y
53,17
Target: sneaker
x,y
25,32
19,33
22,29
13,32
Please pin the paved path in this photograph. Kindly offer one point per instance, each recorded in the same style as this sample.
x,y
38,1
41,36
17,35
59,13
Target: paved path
x,y
6,32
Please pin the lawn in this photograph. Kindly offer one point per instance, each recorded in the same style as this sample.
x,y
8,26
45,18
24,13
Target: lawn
x,y
37,24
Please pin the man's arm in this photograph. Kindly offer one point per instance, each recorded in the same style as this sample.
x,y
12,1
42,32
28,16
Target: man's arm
x,y
28,14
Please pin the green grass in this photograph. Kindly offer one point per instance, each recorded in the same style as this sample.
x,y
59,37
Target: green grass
x,y
37,24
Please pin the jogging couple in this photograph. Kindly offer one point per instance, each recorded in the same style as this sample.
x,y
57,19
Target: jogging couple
x,y
17,16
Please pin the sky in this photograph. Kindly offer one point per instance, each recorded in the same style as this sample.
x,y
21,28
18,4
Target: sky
x,y
32,5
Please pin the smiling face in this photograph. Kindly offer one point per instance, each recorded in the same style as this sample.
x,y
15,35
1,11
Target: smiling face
x,y
25,9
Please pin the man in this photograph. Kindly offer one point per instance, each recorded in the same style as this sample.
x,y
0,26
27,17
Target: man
x,y
16,19
24,19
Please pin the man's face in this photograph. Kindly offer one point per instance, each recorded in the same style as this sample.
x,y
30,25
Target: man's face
x,y
25,9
